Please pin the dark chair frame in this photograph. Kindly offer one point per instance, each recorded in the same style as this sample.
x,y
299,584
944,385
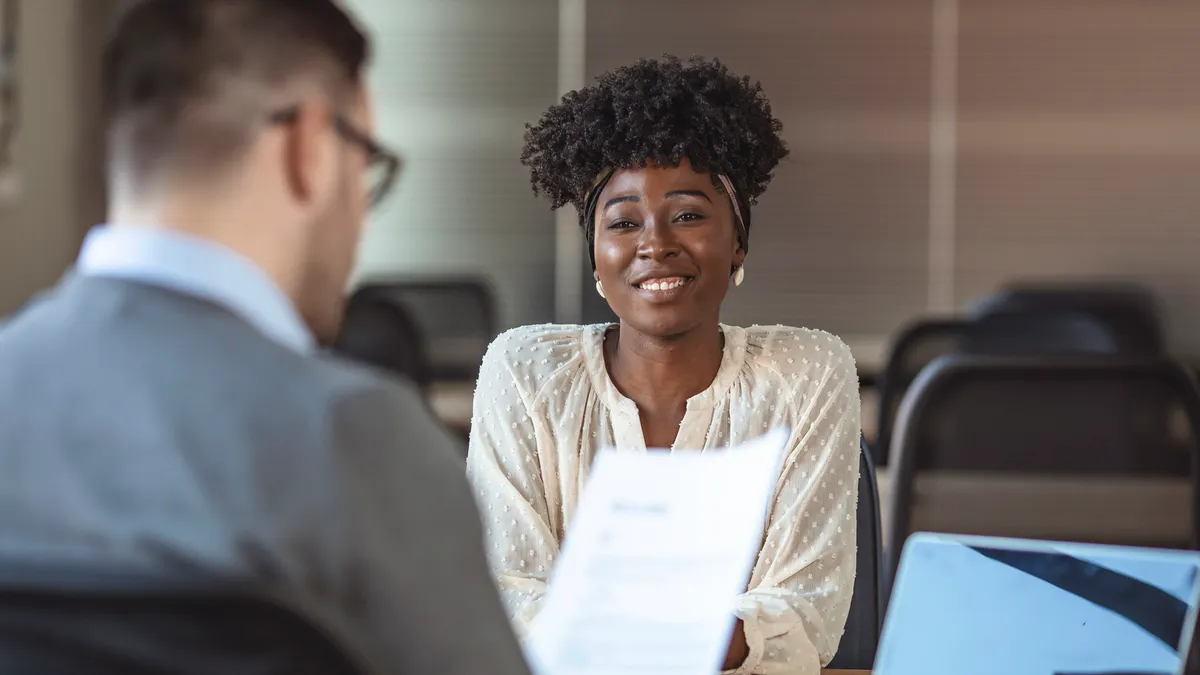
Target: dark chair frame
x,y
862,654
79,589
896,379
947,370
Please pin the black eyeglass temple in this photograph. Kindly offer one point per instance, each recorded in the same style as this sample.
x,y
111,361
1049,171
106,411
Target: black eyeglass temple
x,y
391,161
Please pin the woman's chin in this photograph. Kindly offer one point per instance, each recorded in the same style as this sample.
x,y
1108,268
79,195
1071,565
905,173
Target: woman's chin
x,y
663,325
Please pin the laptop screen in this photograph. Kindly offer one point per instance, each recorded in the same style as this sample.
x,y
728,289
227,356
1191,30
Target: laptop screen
x,y
982,606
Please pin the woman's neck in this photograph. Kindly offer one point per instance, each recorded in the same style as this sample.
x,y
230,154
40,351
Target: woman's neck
x,y
657,372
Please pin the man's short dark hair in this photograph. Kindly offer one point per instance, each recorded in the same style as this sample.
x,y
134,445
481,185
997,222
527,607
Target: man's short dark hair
x,y
186,83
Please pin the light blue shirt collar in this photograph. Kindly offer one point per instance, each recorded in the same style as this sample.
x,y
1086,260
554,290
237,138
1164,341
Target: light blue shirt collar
x,y
199,268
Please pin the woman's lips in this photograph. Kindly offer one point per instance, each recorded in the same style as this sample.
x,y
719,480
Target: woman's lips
x,y
663,284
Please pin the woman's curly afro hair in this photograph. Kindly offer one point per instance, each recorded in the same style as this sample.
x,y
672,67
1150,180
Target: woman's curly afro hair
x,y
655,111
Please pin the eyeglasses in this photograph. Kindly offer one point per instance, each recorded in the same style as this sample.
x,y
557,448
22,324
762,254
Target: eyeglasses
x,y
383,165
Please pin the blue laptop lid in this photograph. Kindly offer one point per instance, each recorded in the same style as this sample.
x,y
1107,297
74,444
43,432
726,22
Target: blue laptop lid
x,y
984,605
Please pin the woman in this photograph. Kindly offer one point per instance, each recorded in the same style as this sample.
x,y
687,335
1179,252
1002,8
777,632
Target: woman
x,y
663,160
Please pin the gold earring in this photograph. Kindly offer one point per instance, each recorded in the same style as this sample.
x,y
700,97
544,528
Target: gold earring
x,y
600,289
739,276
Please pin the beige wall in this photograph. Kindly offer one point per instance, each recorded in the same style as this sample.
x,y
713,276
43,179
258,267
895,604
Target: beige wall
x,y
1079,147
57,151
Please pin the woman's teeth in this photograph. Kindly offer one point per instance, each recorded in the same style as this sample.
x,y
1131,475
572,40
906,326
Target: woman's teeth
x,y
663,284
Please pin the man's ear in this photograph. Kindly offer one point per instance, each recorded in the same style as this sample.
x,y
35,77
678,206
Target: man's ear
x,y
309,156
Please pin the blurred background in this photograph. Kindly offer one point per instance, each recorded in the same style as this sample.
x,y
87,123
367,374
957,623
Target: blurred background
x,y
953,161
940,148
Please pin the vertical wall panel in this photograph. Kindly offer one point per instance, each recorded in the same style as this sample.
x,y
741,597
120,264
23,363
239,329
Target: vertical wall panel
x,y
57,150
455,81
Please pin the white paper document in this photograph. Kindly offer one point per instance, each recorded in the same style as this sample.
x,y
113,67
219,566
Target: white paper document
x,y
659,550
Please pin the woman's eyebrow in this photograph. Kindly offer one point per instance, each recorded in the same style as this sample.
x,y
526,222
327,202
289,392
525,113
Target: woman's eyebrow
x,y
620,200
673,193
689,193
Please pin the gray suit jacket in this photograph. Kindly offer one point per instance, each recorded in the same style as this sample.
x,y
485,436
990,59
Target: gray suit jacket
x,y
141,425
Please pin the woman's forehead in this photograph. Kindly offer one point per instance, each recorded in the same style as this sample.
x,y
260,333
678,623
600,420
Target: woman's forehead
x,y
656,179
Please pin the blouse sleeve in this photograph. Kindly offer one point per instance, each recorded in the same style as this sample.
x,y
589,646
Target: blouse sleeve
x,y
799,596
503,467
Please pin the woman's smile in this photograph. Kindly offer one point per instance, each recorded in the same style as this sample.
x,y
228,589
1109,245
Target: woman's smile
x,y
664,289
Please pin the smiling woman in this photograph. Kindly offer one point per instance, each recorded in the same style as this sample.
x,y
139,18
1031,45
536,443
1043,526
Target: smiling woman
x,y
663,160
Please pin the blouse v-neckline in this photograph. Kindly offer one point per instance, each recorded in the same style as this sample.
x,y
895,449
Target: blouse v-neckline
x,y
626,419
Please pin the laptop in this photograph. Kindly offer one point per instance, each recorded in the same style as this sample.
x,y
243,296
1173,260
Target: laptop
x,y
989,606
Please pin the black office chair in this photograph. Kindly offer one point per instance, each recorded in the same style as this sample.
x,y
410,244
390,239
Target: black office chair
x,y
380,332
1065,416
80,620
996,330
860,640
458,318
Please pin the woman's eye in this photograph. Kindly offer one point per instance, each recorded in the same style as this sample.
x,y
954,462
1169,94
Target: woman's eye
x,y
689,217
620,225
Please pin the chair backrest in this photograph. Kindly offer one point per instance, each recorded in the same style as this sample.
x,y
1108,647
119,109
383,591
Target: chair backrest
x,y
87,621
1038,332
861,637
456,316
1063,416
1128,312
380,332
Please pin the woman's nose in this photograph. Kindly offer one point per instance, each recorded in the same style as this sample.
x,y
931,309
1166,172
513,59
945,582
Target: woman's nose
x,y
657,241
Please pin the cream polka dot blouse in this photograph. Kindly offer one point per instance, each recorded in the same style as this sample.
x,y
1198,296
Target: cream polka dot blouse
x,y
545,404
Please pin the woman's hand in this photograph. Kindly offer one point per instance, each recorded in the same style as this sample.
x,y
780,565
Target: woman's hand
x,y
738,649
